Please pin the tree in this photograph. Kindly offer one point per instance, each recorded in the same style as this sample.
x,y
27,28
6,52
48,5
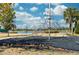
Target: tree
x,y
69,15
77,28
76,21
7,14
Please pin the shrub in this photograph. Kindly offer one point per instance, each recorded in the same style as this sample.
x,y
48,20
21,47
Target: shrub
x,y
77,29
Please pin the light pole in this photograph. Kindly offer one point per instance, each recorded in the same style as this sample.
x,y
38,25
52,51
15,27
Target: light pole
x,y
49,20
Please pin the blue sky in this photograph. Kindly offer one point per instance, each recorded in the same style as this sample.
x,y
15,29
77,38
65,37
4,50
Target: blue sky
x,y
34,15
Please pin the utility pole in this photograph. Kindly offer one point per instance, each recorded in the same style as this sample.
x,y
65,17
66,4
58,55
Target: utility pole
x,y
49,19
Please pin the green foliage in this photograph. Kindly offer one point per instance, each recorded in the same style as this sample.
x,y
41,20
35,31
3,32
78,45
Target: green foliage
x,y
3,30
71,15
7,15
77,29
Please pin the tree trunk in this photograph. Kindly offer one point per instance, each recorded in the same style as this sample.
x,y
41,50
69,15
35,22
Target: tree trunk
x,y
70,27
8,34
75,26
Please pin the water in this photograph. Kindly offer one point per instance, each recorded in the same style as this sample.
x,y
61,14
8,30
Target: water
x,y
24,32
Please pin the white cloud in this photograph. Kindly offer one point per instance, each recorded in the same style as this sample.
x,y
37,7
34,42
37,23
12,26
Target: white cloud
x,y
57,24
46,17
37,22
33,22
59,9
63,23
28,19
35,18
48,11
34,9
39,3
21,8
21,26
22,14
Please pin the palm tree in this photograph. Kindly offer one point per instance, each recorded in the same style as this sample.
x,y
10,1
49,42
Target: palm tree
x,y
69,17
76,20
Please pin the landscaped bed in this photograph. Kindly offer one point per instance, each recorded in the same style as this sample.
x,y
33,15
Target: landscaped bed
x,y
70,43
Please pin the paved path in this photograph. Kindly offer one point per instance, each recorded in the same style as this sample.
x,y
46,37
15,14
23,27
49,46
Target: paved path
x,y
71,43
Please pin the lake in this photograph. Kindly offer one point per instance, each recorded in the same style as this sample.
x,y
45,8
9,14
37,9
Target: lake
x,y
29,32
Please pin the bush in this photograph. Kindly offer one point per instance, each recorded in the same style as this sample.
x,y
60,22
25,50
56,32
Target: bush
x,y
3,30
52,31
77,29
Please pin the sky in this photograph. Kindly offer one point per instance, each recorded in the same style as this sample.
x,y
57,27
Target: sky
x,y
35,15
